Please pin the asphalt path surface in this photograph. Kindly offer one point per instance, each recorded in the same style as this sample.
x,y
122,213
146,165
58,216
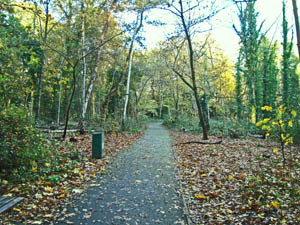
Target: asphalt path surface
x,y
140,187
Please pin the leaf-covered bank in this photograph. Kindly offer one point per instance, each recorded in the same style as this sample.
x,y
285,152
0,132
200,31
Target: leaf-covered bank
x,y
46,194
240,181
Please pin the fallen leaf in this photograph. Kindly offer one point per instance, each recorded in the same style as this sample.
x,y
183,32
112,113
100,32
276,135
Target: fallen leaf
x,y
38,196
77,191
200,196
275,204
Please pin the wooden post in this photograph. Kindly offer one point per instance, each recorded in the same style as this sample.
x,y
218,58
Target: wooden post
x,y
98,145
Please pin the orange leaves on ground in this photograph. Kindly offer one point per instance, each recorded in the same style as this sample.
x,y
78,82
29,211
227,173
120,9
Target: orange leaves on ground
x,y
48,193
240,181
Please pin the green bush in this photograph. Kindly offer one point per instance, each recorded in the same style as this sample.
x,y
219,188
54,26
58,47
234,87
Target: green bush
x,y
133,126
22,147
183,123
225,127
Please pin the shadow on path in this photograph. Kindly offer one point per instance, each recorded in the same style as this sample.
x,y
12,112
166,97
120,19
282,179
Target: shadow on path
x,y
140,187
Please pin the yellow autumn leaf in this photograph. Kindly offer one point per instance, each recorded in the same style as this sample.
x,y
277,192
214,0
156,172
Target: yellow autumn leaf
x,y
200,196
49,189
290,123
275,151
229,211
61,196
230,178
34,166
16,210
47,164
249,202
204,175
267,108
259,123
48,216
266,120
294,113
275,204
76,170
38,196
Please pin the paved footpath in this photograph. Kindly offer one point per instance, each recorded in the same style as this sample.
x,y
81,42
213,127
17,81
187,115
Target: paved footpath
x,y
140,187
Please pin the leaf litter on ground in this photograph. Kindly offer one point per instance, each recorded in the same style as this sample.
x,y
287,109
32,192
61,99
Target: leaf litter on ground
x,y
241,181
48,193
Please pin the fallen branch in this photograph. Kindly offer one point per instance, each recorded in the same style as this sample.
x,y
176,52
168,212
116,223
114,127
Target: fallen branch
x,y
203,143
260,136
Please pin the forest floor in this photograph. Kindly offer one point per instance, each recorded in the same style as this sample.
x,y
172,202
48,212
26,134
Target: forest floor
x,y
240,181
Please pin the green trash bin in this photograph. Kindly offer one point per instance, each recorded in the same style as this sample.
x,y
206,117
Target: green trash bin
x,y
98,145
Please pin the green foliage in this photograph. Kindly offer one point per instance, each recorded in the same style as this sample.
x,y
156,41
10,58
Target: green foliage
x,y
20,58
132,126
147,119
22,147
224,127
288,67
270,73
185,123
250,35
280,126
238,89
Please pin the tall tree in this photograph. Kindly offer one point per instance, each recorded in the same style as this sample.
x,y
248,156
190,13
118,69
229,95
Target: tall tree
x,y
44,35
98,54
297,24
138,26
250,36
184,11
270,71
286,57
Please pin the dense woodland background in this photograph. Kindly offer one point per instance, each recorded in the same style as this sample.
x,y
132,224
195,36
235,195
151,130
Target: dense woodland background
x,y
69,63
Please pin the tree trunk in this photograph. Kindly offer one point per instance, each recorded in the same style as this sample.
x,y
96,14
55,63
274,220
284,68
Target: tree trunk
x,y
83,96
193,74
295,9
139,24
37,114
70,101
59,102
88,91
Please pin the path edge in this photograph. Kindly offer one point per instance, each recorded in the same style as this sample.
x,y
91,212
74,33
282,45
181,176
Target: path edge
x,y
185,208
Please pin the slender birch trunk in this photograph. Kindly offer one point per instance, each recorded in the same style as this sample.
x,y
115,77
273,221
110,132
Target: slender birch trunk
x,y
139,24
83,91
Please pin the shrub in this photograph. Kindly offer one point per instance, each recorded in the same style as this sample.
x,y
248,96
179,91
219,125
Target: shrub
x,y
22,147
